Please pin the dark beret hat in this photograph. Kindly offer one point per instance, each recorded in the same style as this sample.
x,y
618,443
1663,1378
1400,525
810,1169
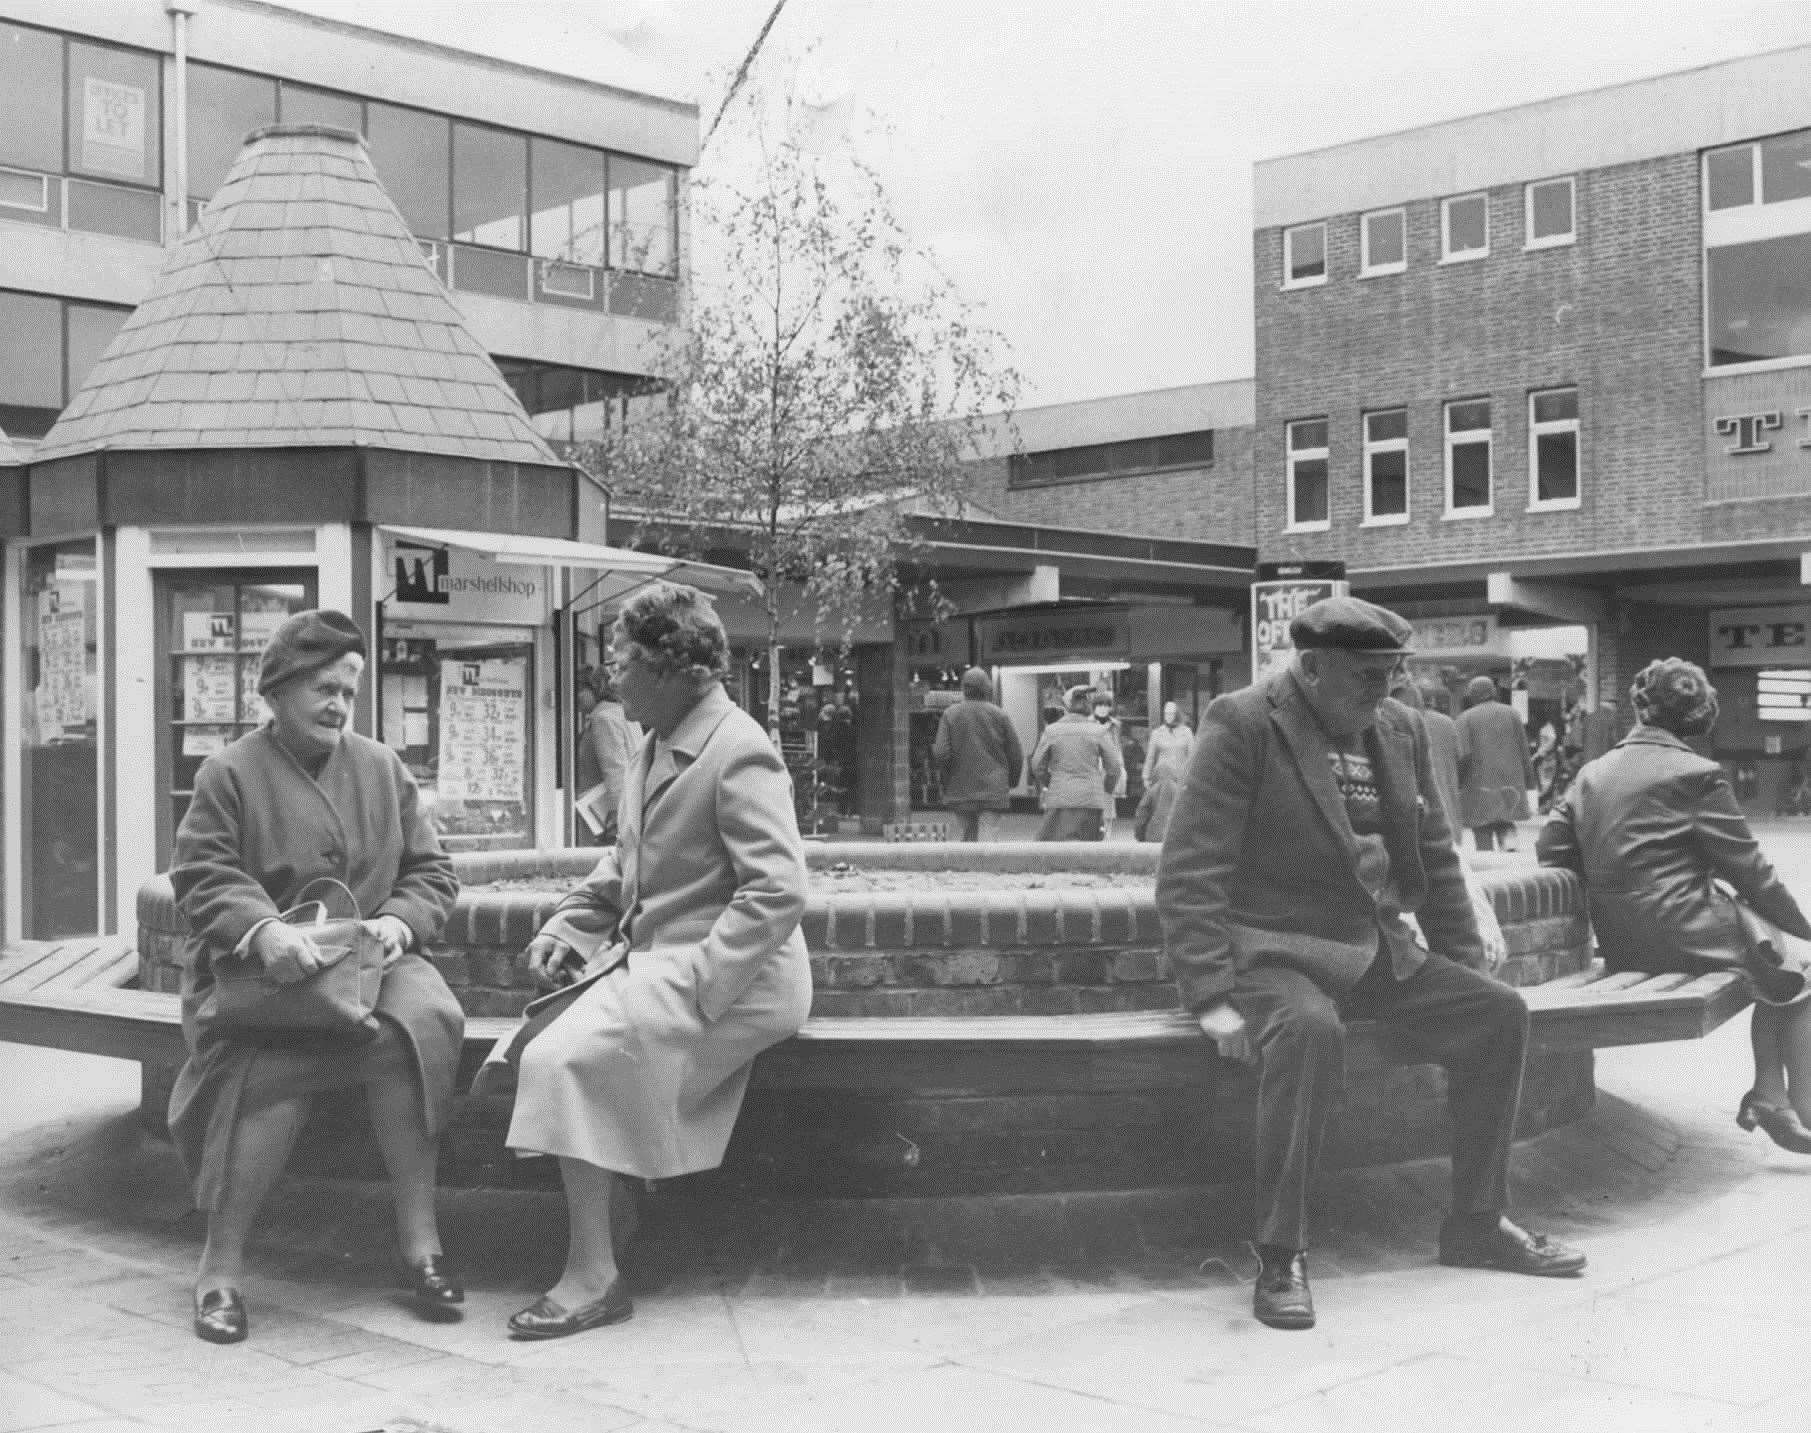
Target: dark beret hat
x,y
1352,624
307,642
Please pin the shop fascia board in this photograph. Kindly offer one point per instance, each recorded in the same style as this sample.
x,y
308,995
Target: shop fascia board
x,y
1563,601
631,569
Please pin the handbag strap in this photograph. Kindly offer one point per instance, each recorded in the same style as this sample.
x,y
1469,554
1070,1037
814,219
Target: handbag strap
x,y
332,881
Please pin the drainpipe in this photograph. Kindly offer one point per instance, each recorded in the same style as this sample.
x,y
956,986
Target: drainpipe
x,y
179,12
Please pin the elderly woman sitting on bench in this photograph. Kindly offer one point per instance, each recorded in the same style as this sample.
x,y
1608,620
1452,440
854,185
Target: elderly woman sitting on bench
x,y
1677,882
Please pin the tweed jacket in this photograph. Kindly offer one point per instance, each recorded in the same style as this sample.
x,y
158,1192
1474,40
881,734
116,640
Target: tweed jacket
x,y
1649,825
1260,863
1078,762
705,867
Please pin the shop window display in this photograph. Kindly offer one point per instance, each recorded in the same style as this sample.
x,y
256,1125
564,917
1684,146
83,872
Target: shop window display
x,y
819,703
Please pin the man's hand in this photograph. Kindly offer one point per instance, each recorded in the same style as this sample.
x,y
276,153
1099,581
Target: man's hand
x,y
286,954
552,962
1225,1026
394,932
1496,949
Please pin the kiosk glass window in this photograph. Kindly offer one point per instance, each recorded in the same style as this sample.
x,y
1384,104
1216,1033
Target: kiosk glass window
x,y
456,703
60,758
212,629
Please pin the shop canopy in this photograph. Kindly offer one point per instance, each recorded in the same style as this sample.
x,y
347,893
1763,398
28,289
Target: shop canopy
x,y
619,570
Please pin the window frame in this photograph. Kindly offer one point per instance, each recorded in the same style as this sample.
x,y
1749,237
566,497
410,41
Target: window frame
x,y
1551,241
1371,447
1449,255
1313,281
1367,269
1292,456
1450,441
1536,430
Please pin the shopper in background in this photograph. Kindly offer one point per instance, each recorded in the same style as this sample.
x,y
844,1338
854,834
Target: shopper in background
x,y
978,756
1076,763
1166,757
1109,805
1495,770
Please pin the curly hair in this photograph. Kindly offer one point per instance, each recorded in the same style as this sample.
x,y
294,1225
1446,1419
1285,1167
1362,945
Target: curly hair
x,y
677,629
1675,695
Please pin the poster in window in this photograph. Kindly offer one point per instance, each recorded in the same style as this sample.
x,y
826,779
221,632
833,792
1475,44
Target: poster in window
x,y
209,690
113,128
62,695
251,705
205,740
207,631
256,628
483,728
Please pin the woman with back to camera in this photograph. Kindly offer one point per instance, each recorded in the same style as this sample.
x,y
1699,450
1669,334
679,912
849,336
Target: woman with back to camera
x,y
1656,832
297,802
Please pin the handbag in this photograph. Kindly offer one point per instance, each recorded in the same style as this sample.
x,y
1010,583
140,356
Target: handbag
x,y
336,1002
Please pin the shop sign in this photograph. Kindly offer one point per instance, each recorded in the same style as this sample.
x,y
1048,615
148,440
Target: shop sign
x,y
453,585
1757,435
1035,639
1274,605
1437,636
1761,636
939,644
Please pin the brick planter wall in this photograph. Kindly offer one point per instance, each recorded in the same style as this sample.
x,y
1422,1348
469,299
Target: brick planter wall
x,y
910,1120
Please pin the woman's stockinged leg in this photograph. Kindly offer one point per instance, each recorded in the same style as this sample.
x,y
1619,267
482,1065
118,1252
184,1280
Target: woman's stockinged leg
x,y
1767,1034
411,1155
590,1251
1795,1055
262,1140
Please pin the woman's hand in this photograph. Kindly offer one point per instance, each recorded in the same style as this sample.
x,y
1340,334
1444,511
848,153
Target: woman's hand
x,y
394,932
552,962
286,954
1225,1026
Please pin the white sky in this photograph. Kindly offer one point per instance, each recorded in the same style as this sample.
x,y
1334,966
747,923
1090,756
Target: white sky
x,y
1082,168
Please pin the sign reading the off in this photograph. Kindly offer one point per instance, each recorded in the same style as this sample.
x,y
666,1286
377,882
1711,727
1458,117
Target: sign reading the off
x,y
1274,605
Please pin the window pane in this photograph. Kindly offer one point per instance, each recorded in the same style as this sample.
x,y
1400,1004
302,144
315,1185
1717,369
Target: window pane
x,y
641,217
1557,406
31,99
1760,299
31,364
115,117
490,186
1786,167
409,150
1309,434
1310,490
1382,426
1308,252
485,271
567,209
1729,177
1463,417
1383,240
302,105
114,209
91,329
1550,209
1471,475
1389,483
1556,467
224,107
1465,225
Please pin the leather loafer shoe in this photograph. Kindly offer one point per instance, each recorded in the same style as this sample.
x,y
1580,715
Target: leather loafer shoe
x,y
220,1316
1505,1245
546,1319
1280,1297
432,1287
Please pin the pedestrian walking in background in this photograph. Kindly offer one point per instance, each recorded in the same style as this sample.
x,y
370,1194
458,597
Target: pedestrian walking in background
x,y
1495,770
1109,805
1076,762
1166,757
978,756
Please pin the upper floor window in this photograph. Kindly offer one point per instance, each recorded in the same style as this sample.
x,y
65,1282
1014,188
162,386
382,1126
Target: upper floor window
x,y
1130,457
1757,252
1468,458
1549,213
573,405
1766,171
1553,448
643,200
47,348
1387,466
1304,256
1307,475
1383,243
1464,227
224,107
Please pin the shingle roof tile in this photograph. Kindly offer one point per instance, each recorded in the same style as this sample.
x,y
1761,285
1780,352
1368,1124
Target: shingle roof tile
x,y
298,311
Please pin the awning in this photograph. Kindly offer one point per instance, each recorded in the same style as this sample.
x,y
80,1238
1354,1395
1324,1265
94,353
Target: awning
x,y
620,570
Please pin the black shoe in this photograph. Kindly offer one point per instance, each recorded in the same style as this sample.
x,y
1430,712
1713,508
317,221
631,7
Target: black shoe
x,y
546,1319
1505,1245
432,1288
220,1316
1281,1298
1781,1122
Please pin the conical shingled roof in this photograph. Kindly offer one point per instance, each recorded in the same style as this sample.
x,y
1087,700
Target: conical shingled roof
x,y
299,312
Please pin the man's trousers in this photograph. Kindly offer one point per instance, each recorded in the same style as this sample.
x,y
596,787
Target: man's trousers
x,y
1443,1014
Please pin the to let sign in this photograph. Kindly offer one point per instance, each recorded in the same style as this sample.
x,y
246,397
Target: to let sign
x,y
1274,605
1761,636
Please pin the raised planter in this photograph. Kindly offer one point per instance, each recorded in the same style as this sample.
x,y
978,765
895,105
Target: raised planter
x,y
993,1117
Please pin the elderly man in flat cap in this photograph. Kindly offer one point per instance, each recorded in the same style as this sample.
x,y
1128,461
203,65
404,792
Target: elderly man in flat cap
x,y
1307,830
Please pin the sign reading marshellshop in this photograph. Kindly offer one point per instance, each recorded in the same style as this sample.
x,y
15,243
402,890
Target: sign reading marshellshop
x,y
1761,636
1042,638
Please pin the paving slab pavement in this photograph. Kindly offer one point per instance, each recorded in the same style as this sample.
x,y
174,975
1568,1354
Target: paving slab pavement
x,y
1692,1315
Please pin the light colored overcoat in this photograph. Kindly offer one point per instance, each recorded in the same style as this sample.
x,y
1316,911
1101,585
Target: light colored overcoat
x,y
697,964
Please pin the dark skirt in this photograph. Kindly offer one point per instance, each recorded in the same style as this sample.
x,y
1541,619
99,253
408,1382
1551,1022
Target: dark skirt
x,y
225,1080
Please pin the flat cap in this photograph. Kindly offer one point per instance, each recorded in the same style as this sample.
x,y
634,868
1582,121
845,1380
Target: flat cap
x,y
305,643
1351,624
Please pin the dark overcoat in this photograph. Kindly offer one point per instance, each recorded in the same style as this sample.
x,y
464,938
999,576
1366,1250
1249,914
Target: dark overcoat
x,y
1496,772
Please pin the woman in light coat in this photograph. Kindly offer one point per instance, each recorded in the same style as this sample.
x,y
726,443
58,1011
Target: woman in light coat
x,y
677,961
298,800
